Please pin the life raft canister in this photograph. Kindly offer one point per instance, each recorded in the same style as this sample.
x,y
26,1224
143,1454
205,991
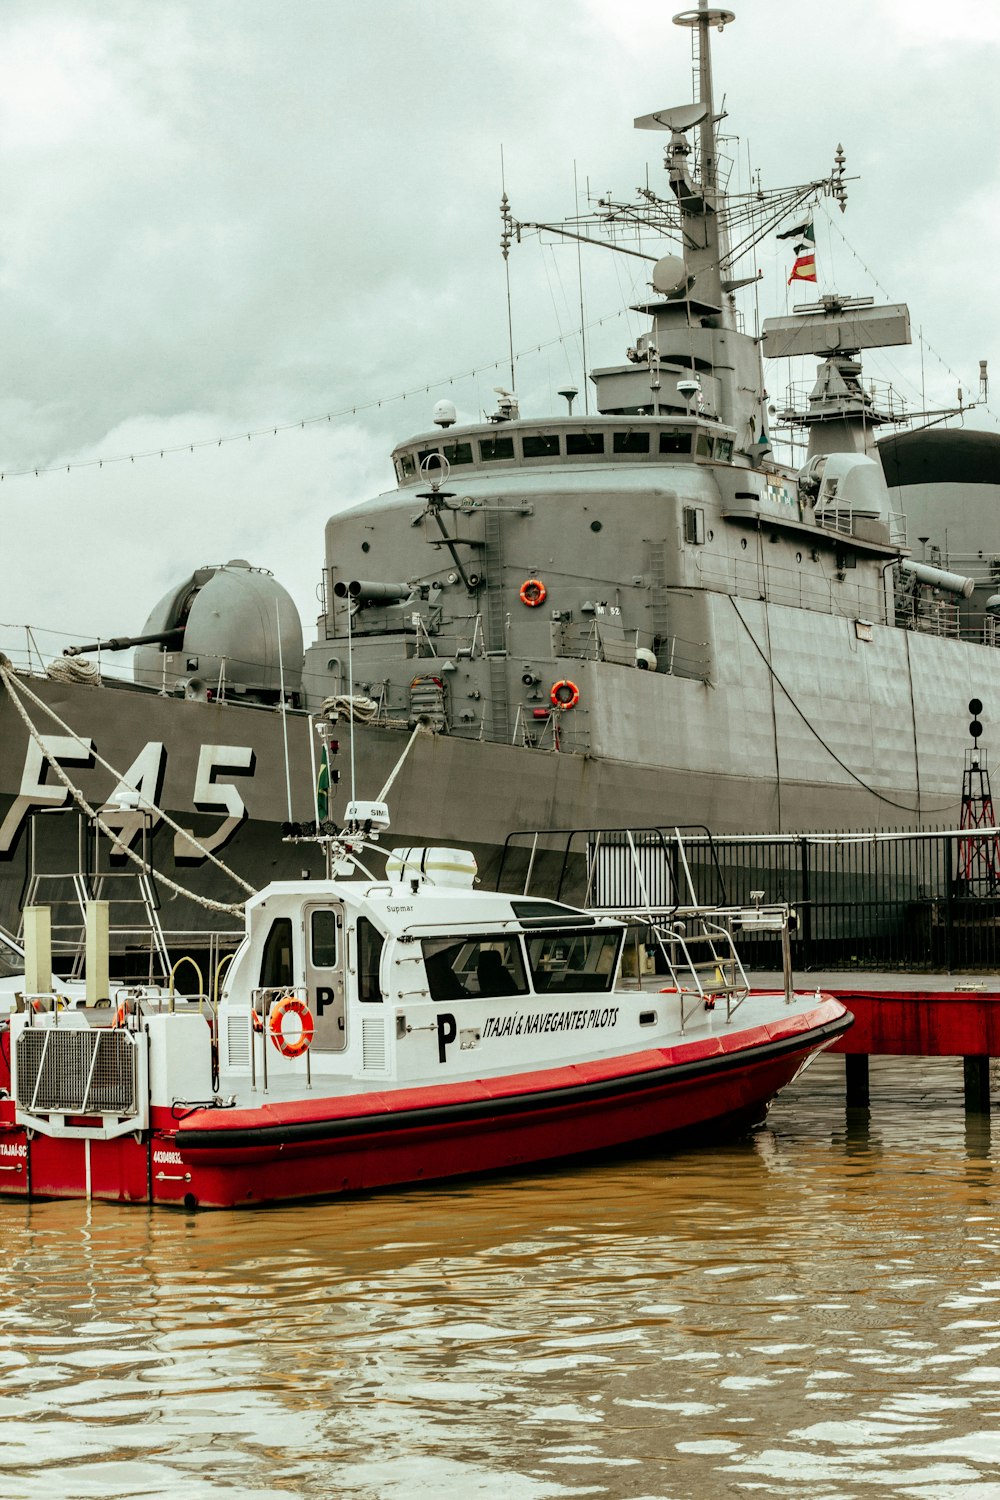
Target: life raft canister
x,y
564,694
533,592
296,1040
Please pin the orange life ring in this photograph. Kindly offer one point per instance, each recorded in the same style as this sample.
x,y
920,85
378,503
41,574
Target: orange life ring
x,y
291,1005
533,592
564,694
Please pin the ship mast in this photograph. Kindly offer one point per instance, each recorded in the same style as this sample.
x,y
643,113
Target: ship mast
x,y
704,259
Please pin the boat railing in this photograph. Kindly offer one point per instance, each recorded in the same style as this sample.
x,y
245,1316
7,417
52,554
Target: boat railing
x,y
261,1001
615,869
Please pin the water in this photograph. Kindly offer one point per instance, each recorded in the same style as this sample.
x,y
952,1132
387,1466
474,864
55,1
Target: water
x,y
812,1312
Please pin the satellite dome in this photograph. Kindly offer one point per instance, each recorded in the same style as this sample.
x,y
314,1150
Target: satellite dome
x,y
445,414
240,625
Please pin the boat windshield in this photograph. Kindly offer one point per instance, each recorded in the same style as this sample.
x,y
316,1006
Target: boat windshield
x,y
567,962
11,962
460,968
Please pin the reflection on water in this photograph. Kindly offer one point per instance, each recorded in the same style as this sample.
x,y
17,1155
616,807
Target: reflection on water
x,y
811,1312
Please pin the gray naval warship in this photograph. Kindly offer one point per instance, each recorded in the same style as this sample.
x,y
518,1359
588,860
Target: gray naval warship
x,y
633,615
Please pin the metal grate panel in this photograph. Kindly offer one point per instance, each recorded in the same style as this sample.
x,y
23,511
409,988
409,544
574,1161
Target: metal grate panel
x,y
373,1044
238,1041
71,1071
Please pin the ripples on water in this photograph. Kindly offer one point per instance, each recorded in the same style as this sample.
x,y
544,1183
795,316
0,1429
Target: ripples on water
x,y
812,1312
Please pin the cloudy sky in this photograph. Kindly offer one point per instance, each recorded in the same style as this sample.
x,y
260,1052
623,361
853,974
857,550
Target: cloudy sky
x,y
225,216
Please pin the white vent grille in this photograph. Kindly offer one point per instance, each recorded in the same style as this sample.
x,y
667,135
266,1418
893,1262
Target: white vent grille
x,y
85,1072
238,1041
373,1044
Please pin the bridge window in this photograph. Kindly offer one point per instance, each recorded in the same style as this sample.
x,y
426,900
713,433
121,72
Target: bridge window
x,y
370,945
276,963
458,453
540,445
704,445
724,449
461,968
584,442
492,449
675,442
631,442
564,963
407,468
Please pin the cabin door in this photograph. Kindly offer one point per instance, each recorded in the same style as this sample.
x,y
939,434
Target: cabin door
x,y
324,945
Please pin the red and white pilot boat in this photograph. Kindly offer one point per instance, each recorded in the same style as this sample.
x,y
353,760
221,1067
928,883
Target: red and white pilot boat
x,y
372,1032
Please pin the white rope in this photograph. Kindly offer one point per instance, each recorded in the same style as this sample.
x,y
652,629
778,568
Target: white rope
x,y
73,669
84,805
344,706
420,729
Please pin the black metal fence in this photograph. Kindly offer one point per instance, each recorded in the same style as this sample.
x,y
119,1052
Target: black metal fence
x,y
903,900
872,901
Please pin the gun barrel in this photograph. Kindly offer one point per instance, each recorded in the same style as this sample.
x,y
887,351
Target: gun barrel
x,y
123,642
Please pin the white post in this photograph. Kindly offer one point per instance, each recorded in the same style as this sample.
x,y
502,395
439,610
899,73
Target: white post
x,y
37,950
98,951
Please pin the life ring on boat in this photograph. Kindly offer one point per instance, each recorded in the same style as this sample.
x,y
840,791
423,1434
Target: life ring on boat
x,y
564,694
533,592
290,1046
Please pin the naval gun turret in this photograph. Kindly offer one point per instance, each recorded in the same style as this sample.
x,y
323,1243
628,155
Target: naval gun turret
x,y
228,630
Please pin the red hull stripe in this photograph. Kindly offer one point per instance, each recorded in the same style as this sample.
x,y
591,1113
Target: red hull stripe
x,y
304,1122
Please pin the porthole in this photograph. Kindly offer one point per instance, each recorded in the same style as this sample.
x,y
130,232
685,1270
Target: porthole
x,y
743,543
711,536
798,557
595,525
366,546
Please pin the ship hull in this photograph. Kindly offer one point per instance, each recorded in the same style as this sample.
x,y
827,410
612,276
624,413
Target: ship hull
x,y
320,1149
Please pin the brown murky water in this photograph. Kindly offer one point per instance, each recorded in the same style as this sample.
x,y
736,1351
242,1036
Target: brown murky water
x,y
813,1312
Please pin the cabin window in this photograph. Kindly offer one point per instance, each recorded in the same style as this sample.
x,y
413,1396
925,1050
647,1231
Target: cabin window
x,y
694,524
276,964
429,453
491,449
370,945
564,962
323,938
631,442
458,453
407,467
724,449
540,445
675,442
704,445
462,968
584,442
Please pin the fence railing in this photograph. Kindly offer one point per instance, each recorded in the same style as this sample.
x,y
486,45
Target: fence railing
x,y
907,900
901,900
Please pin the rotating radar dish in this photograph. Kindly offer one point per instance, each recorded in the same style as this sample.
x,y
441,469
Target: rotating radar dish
x,y
669,275
680,117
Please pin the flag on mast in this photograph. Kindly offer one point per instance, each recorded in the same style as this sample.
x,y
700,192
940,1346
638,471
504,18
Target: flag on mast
x,y
804,269
802,229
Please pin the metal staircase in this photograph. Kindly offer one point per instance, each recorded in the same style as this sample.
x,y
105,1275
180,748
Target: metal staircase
x,y
129,891
496,628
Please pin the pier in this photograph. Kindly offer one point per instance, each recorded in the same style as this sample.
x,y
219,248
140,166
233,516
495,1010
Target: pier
x,y
914,1015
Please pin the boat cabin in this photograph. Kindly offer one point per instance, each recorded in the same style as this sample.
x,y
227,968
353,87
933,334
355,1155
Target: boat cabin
x,y
415,977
